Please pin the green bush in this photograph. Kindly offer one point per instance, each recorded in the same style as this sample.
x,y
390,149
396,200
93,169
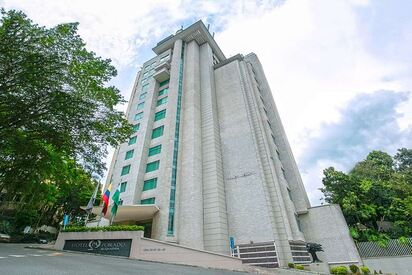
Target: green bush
x,y
103,228
299,266
291,265
6,227
339,270
354,268
365,270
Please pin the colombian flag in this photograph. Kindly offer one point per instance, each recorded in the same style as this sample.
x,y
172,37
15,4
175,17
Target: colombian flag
x,y
105,199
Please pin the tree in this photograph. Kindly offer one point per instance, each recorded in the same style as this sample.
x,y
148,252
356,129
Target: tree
x,y
375,196
57,114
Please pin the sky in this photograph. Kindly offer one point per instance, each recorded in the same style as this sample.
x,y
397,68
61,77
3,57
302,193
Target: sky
x,y
339,70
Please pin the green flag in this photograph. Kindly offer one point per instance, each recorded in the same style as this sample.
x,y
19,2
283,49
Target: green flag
x,y
116,201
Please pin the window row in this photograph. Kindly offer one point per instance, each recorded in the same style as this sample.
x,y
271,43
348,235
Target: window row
x,y
150,167
147,185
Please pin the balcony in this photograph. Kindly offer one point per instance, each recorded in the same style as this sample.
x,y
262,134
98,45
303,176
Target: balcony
x,y
162,71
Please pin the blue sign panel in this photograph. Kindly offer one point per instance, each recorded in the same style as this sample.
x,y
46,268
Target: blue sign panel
x,y
66,220
232,243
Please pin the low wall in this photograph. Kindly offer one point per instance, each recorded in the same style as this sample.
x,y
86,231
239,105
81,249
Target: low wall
x,y
393,258
159,251
326,225
400,265
154,250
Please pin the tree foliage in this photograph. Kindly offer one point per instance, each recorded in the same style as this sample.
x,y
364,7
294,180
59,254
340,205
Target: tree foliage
x,y
375,196
57,113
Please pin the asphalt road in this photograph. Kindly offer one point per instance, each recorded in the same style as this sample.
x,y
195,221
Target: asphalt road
x,y
16,259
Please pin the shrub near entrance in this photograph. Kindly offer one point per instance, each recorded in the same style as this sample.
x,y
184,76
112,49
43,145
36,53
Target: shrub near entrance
x,y
103,228
339,270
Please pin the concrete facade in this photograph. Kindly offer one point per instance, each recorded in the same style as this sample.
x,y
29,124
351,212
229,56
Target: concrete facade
x,y
157,251
225,166
400,265
326,225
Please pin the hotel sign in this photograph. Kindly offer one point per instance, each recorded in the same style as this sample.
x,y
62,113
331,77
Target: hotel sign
x,y
106,247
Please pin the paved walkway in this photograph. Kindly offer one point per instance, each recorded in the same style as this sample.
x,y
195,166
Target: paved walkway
x,y
16,259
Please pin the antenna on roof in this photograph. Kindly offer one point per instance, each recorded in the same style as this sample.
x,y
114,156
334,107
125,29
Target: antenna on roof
x,y
181,27
213,35
208,25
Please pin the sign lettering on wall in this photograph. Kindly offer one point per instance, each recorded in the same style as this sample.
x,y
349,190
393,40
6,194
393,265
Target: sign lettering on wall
x,y
106,247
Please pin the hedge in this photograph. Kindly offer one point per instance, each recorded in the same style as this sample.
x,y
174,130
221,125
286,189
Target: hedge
x,y
342,270
103,228
299,266
365,270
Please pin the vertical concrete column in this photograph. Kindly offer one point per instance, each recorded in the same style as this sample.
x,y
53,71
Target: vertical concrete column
x,y
214,199
299,195
190,191
274,200
161,220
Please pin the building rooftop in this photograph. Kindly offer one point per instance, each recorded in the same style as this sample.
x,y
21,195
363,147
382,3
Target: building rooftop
x,y
198,32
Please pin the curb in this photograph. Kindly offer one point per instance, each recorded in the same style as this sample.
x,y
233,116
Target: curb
x,y
127,258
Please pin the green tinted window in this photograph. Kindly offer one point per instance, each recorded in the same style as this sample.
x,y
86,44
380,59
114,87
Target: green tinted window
x,y
136,127
132,140
152,166
145,87
129,154
148,201
140,106
161,101
160,115
149,184
157,132
138,116
164,58
155,150
163,83
163,92
123,187
125,170
143,96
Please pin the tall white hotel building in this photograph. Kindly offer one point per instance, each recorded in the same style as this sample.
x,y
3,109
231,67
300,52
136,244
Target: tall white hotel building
x,y
209,159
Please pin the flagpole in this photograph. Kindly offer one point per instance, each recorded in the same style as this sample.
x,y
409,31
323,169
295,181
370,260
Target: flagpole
x,y
115,205
91,203
106,200
111,219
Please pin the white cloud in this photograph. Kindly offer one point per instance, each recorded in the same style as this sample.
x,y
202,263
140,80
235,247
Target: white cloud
x,y
369,122
115,30
315,60
313,51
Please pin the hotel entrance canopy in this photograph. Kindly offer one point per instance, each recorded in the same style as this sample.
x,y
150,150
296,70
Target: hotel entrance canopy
x,y
138,212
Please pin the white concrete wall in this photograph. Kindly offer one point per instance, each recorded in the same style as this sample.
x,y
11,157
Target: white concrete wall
x,y
327,226
401,265
153,250
273,196
299,196
158,251
215,225
277,180
160,222
247,209
190,190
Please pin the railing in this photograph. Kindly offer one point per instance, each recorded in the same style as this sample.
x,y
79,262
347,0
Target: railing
x,y
257,254
300,254
393,248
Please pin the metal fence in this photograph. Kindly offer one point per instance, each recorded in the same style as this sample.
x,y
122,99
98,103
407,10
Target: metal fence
x,y
394,248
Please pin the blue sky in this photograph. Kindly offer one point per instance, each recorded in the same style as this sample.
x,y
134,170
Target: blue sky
x,y
340,70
